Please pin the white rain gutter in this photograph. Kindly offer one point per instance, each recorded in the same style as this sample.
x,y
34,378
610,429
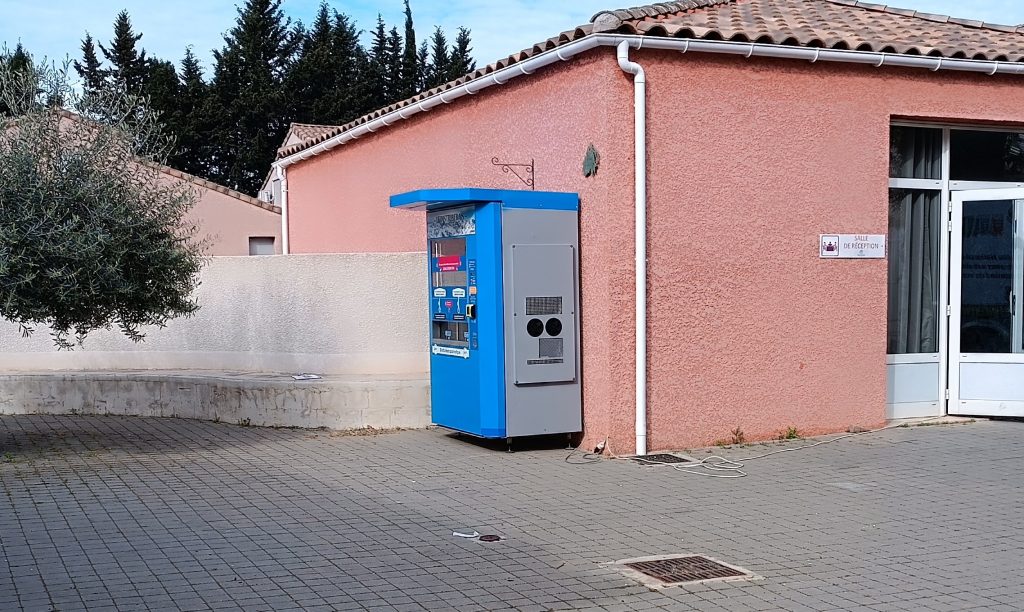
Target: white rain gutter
x,y
623,42
683,45
282,175
640,235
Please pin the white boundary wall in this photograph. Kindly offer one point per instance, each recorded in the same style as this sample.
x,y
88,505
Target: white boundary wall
x,y
328,314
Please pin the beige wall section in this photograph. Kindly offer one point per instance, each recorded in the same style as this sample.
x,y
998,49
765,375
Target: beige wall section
x,y
229,222
328,314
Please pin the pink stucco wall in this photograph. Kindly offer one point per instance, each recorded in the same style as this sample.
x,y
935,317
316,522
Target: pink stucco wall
x,y
229,222
749,162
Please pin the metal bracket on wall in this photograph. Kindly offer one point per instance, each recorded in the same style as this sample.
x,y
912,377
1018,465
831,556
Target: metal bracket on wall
x,y
527,171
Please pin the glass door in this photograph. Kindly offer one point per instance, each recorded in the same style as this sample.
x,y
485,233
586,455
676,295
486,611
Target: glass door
x,y
986,339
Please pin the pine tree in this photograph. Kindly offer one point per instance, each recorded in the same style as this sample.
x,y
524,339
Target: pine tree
x,y
129,66
440,60
411,65
89,69
462,62
248,101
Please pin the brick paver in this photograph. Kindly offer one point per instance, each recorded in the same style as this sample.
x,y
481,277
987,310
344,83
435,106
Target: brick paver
x,y
108,513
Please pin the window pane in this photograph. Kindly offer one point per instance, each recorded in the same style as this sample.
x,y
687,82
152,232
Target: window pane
x,y
986,319
986,156
261,245
915,153
914,233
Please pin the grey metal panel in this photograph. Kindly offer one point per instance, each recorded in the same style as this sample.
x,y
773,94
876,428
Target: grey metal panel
x,y
996,382
913,382
542,408
543,273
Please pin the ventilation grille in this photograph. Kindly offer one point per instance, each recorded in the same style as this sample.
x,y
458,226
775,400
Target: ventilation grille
x,y
543,306
551,348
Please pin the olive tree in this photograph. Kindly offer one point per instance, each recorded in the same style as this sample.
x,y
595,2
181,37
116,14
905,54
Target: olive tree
x,y
93,234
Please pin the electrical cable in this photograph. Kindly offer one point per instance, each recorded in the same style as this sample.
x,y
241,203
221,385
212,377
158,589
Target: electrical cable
x,y
587,458
716,466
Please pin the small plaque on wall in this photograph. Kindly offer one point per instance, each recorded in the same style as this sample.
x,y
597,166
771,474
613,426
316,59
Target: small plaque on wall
x,y
852,246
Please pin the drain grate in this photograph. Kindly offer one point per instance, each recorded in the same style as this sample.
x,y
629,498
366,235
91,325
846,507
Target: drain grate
x,y
678,570
659,459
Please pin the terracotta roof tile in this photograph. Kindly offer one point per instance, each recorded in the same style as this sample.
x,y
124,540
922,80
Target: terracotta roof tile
x,y
201,182
306,131
837,24
191,178
845,24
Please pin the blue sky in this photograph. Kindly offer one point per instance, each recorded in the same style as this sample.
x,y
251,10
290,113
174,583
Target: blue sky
x,y
54,28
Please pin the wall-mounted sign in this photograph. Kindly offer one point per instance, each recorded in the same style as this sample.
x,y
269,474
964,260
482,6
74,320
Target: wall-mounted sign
x,y
852,246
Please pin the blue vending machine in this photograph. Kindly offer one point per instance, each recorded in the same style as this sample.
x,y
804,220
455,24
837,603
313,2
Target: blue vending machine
x,y
504,310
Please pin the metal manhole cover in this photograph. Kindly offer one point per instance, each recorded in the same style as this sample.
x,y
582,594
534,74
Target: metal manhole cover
x,y
668,571
659,459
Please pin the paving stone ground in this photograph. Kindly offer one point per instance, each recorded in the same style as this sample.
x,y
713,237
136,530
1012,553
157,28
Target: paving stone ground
x,y
109,513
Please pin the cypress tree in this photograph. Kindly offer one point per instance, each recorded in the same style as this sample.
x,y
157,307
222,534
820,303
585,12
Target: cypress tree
x,y
310,79
376,69
162,88
423,62
440,60
395,73
129,67
411,65
462,61
348,98
89,69
248,102
192,129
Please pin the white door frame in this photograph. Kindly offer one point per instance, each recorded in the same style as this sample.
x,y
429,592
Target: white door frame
x,y
956,358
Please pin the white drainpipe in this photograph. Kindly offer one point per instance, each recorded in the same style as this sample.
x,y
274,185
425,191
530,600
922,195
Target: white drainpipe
x,y
640,181
282,175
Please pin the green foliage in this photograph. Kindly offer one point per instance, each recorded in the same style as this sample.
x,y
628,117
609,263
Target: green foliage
x,y
412,68
90,68
462,61
268,74
189,121
791,433
17,62
440,60
129,66
247,94
91,234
